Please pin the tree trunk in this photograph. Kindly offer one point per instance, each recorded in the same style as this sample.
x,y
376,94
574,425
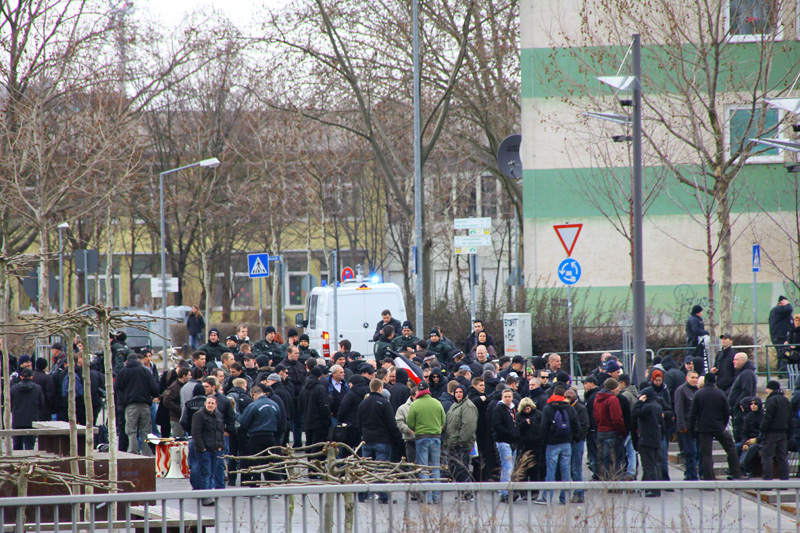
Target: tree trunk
x,y
712,300
111,410
44,272
72,415
726,265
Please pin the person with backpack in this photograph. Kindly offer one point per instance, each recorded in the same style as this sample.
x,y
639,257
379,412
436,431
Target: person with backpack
x,y
506,437
559,428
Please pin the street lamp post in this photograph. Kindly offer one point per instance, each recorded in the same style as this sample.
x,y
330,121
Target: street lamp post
x,y
208,163
61,228
633,83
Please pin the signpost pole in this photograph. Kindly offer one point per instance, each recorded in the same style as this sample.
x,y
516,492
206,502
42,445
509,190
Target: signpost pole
x,y
756,269
335,275
473,274
569,319
86,277
261,306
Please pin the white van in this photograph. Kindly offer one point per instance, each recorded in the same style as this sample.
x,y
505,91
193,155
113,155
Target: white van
x,y
360,306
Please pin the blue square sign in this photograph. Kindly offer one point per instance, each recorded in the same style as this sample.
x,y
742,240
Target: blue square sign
x,y
258,265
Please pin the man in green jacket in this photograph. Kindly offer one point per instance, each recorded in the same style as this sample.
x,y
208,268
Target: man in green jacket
x,y
426,418
459,436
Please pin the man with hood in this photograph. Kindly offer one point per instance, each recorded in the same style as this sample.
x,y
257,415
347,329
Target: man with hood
x,y
378,429
406,341
213,349
315,406
447,399
437,382
559,428
752,426
426,418
673,377
459,436
399,391
709,417
194,405
744,386
683,404
348,409
723,364
611,430
648,419
695,330
775,431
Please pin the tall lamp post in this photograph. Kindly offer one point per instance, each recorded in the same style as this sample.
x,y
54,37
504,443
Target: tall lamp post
x,y
208,163
61,228
633,83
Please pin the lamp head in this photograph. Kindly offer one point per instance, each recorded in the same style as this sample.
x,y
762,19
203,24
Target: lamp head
x,y
210,163
63,225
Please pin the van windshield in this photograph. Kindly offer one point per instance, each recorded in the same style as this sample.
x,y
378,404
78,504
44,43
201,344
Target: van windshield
x,y
312,311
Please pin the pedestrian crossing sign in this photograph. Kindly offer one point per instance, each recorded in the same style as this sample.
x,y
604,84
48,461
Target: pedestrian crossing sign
x,y
258,265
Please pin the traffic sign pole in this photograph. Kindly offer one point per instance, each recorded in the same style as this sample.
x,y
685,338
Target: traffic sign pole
x,y
756,269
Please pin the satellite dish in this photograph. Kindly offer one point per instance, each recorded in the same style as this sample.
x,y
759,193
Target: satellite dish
x,y
508,157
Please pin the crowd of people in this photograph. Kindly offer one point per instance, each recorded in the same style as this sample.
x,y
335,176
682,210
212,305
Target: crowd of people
x,y
465,413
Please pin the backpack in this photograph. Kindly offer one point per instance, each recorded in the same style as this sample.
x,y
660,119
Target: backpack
x,y
561,426
78,386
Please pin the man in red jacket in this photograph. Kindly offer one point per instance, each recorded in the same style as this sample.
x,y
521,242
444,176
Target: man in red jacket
x,y
611,431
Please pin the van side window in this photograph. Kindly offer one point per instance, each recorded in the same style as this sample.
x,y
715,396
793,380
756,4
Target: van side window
x,y
312,312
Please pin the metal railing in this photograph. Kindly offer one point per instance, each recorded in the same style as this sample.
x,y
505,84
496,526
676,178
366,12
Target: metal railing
x,y
728,506
711,352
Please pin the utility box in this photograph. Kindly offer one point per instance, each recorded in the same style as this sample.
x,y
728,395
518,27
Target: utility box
x,y
517,334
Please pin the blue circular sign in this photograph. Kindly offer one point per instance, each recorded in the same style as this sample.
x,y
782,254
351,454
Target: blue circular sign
x,y
569,271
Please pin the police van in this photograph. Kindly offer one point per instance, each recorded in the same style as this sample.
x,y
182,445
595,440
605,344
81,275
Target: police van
x,y
360,304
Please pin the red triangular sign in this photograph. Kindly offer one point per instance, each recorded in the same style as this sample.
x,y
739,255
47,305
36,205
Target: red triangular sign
x,y
568,235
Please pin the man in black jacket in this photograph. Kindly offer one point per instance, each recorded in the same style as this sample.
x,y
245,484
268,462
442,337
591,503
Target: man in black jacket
x,y
744,386
775,430
386,320
213,349
780,322
487,456
208,431
648,419
578,442
26,400
315,406
279,389
695,330
378,429
135,388
708,417
723,365
261,423
45,381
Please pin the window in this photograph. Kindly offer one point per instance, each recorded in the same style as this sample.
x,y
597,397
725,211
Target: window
x,y
744,125
749,20
312,312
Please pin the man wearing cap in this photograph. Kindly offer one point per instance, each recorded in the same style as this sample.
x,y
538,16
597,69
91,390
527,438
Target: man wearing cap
x,y
315,406
268,347
708,417
213,349
27,399
292,339
231,344
135,389
780,322
744,386
406,341
24,362
775,432
58,358
723,364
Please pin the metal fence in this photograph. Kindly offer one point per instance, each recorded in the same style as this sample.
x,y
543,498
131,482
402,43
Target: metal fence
x,y
732,506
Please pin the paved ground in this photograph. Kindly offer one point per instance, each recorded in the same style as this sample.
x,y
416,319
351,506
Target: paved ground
x,y
688,510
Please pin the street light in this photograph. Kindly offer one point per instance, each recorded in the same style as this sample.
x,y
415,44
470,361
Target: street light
x,y
633,83
61,228
207,163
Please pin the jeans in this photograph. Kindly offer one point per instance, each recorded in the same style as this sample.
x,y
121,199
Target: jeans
x,y
380,451
576,463
297,428
429,453
194,468
218,477
591,450
209,464
690,447
630,454
195,341
558,457
664,459
607,444
774,446
137,422
153,411
507,457
24,442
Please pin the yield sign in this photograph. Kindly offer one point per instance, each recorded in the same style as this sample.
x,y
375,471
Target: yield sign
x,y
568,235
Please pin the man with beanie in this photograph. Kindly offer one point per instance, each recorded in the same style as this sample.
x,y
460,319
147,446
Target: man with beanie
x,y
213,349
611,430
305,350
315,406
268,347
695,330
399,391
723,364
378,426
780,322
426,418
384,343
407,340
744,386
708,418
45,381
648,419
26,401
135,389
775,431
438,347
